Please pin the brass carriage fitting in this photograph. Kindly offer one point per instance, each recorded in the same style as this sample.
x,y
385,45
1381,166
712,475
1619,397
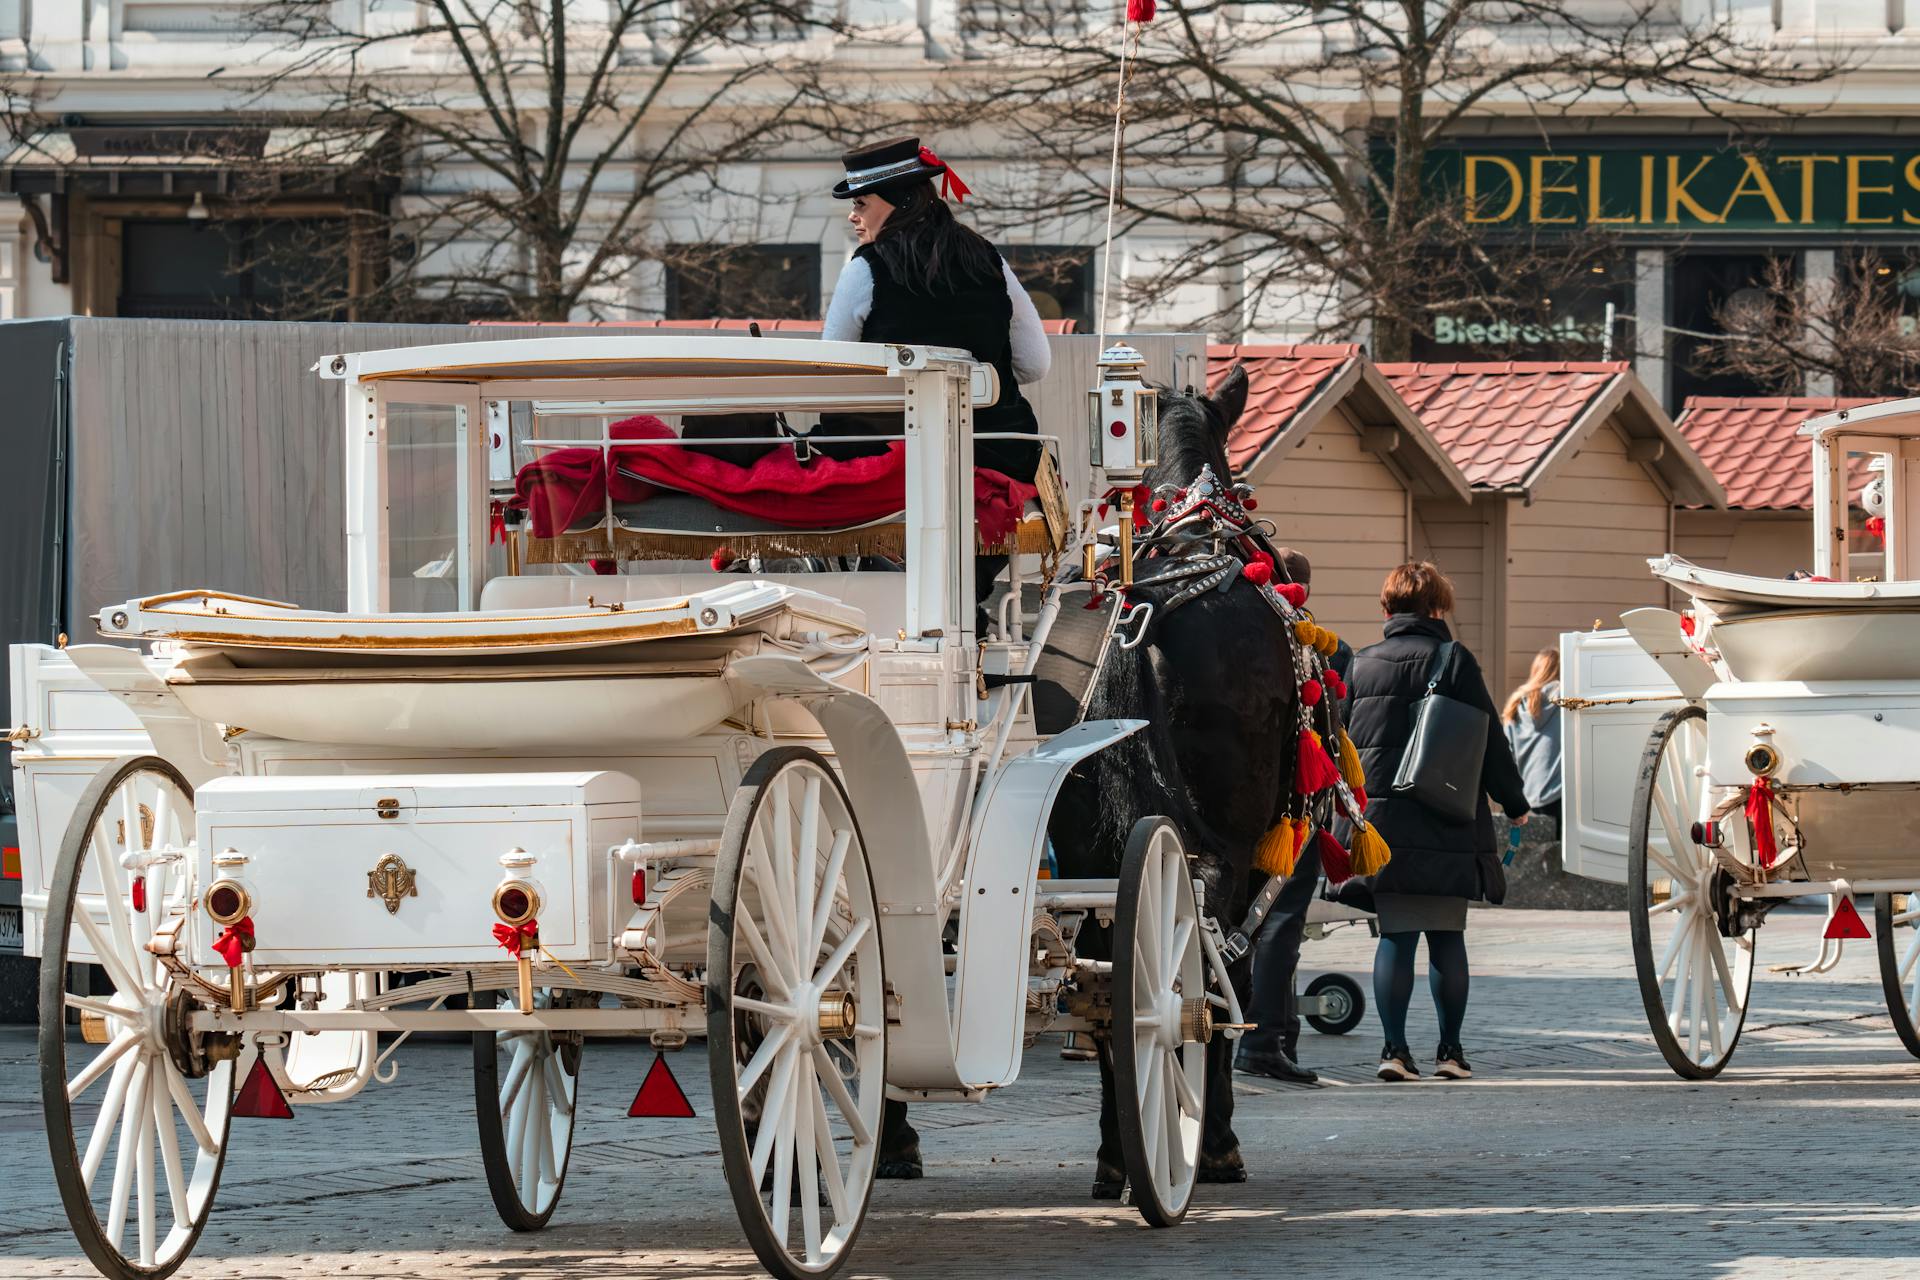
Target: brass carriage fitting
x,y
838,1015
516,902
1196,1020
1762,759
228,901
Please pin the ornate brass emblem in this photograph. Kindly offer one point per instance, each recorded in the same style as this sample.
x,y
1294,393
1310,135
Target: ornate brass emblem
x,y
391,880
146,829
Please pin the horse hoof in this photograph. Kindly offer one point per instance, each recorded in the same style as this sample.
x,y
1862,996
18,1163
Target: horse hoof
x,y
1227,1168
1109,1180
899,1170
1108,1190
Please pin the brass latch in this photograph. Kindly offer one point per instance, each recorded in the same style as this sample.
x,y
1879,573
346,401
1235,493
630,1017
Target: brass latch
x,y
387,807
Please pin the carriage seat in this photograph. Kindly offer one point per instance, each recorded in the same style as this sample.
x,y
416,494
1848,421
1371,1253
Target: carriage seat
x,y
881,596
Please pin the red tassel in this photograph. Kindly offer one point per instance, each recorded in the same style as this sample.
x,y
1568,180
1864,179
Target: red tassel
x,y
1310,692
1139,10
1293,593
1760,813
497,524
1360,798
235,942
1257,573
515,940
1334,860
1316,771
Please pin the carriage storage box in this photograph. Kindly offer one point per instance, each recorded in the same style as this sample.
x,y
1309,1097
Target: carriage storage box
x,y
457,838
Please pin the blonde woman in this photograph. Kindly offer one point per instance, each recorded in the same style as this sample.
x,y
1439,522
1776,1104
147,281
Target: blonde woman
x,y
1532,718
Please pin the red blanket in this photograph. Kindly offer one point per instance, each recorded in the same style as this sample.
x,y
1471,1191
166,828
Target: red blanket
x,y
564,487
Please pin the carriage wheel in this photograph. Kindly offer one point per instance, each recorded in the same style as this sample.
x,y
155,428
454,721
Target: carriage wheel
x,y
1161,1022
1693,981
147,1101
1899,973
796,1017
526,1114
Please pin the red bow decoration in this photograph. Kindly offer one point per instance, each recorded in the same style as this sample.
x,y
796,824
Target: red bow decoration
x,y
951,187
1139,10
235,942
497,523
516,939
1876,526
1760,813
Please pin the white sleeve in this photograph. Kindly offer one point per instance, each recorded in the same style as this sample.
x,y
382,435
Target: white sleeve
x,y
852,303
1032,357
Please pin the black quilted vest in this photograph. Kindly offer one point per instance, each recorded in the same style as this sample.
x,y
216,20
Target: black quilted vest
x,y
976,319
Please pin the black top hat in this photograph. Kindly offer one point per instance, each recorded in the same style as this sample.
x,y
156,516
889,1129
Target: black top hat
x,y
892,163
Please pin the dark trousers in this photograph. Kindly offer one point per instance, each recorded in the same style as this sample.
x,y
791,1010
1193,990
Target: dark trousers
x,y
1275,1005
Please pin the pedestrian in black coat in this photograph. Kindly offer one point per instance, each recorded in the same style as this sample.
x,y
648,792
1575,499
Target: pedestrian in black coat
x,y
1438,865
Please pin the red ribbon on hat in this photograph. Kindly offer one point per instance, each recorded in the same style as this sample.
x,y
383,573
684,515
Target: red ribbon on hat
x,y
951,187
235,942
514,940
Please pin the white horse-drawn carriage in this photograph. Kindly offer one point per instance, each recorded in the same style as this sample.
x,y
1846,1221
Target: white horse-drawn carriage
x,y
1784,758
548,782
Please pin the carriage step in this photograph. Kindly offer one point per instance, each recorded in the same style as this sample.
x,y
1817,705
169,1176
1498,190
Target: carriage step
x,y
660,1096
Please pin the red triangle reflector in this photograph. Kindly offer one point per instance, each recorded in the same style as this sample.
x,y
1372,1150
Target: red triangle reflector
x,y
260,1097
660,1095
1846,922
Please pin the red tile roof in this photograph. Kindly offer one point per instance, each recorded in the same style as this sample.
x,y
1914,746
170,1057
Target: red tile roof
x,y
1497,420
1281,379
1751,442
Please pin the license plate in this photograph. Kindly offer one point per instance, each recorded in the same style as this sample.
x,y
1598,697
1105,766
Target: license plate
x,y
12,937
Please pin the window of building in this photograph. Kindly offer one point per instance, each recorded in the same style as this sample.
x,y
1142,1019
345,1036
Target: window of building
x,y
1705,289
1059,279
1016,21
1580,312
737,282
233,269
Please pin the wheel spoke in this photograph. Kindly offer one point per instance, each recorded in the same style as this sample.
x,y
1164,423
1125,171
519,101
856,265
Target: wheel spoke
x,y
1718,953
806,1151
517,1071
778,913
110,960
783,1122
829,1157
130,1112
842,1098
143,1181
1696,963
1670,867
1679,902
121,1046
841,953
557,1084
1182,939
530,1124
108,1120
190,1112
1182,1086
1152,1123
836,863
1170,1123
776,1100
170,1160
808,855
772,973
1171,869
763,1057
1675,942
1913,954
775,1013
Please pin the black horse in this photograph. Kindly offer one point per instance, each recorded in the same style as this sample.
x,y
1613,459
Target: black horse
x,y
1215,681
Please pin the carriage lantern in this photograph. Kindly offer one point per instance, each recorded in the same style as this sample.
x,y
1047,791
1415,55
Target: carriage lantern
x,y
1124,425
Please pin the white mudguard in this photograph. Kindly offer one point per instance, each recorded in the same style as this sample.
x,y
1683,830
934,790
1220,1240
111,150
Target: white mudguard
x,y
996,911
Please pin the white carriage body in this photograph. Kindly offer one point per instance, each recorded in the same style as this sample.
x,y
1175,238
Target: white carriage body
x,y
541,688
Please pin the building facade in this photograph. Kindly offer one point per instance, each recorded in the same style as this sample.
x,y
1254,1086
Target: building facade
x,y
140,141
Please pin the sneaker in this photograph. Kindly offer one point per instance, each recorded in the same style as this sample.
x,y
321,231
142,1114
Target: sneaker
x,y
1450,1063
1396,1063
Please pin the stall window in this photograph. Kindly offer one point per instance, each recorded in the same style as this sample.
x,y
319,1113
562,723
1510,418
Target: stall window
x,y
1578,311
730,282
1705,288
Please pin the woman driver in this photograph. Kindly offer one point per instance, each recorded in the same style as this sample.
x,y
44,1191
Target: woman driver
x,y
920,277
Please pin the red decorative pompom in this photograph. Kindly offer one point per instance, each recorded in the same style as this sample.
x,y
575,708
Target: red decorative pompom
x,y
1179,495
1293,593
1159,504
1140,10
1251,504
1257,573
1310,692
1334,859
1335,683
721,559
1686,623
1315,771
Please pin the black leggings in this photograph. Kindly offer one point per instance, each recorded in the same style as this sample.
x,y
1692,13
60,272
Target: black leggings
x,y
1446,978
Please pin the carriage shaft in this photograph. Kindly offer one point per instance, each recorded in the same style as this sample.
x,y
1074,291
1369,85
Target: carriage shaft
x,y
1807,888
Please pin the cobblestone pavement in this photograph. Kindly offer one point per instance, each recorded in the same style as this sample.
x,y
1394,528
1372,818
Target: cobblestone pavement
x,y
1574,1152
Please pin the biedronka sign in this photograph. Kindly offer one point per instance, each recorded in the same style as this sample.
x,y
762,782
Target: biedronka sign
x,y
1785,187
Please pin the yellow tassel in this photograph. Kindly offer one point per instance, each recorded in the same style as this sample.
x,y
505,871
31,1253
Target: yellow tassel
x,y
1370,852
1350,767
1274,855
